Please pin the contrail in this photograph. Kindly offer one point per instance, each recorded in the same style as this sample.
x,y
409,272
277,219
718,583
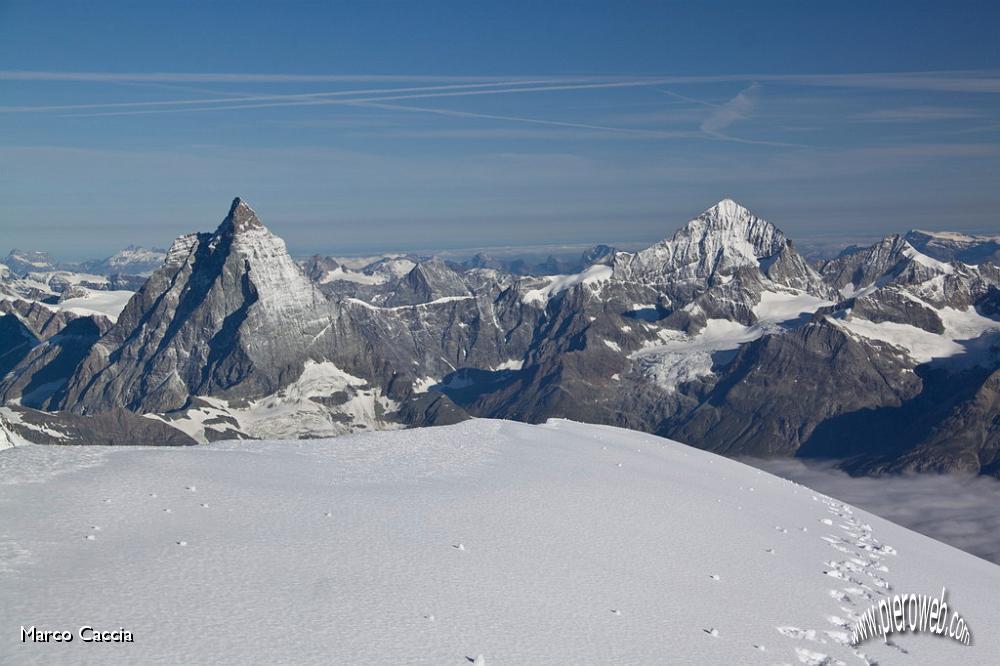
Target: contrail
x,y
690,99
534,121
261,98
388,98
224,77
972,81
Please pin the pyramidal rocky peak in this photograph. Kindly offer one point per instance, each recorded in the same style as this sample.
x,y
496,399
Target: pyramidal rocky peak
x,y
241,218
722,336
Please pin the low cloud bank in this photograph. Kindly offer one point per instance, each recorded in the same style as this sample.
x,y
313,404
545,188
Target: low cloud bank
x,y
958,510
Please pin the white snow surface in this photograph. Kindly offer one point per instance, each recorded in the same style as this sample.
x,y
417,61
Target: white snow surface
x,y
560,283
681,358
920,345
291,412
92,302
505,542
927,262
107,303
957,236
510,364
347,275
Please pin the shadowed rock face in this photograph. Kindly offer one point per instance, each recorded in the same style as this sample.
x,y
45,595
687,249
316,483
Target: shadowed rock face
x,y
116,427
40,378
779,388
17,341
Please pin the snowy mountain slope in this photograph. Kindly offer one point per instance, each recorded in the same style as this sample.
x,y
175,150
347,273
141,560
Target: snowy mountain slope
x,y
13,286
324,401
720,242
555,544
84,301
951,246
133,260
25,261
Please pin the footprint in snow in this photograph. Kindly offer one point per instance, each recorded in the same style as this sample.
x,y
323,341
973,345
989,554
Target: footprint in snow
x,y
840,596
797,634
811,658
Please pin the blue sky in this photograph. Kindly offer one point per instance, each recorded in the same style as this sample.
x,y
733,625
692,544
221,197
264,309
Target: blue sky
x,y
356,127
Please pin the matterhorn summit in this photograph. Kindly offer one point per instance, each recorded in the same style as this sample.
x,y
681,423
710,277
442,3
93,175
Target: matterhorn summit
x,y
228,313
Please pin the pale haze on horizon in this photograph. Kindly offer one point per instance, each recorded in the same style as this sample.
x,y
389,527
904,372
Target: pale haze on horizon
x,y
357,129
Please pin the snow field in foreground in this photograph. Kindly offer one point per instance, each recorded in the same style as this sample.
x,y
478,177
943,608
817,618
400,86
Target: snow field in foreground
x,y
552,544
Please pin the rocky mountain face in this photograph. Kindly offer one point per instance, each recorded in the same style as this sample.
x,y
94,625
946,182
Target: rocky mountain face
x,y
722,336
228,313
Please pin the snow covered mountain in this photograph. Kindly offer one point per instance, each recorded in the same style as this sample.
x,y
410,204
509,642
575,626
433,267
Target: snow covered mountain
x,y
494,541
133,260
722,336
26,261
950,246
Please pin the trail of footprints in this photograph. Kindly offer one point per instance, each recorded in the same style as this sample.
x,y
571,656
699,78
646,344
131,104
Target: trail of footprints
x,y
178,542
860,574
859,571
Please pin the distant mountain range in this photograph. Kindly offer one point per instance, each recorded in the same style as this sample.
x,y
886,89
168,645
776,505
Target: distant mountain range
x,y
133,260
722,336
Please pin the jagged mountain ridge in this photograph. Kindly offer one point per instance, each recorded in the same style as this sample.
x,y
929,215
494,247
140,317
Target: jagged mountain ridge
x,y
722,336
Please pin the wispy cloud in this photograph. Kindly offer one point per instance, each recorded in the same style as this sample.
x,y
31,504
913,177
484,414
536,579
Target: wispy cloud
x,y
918,114
739,107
